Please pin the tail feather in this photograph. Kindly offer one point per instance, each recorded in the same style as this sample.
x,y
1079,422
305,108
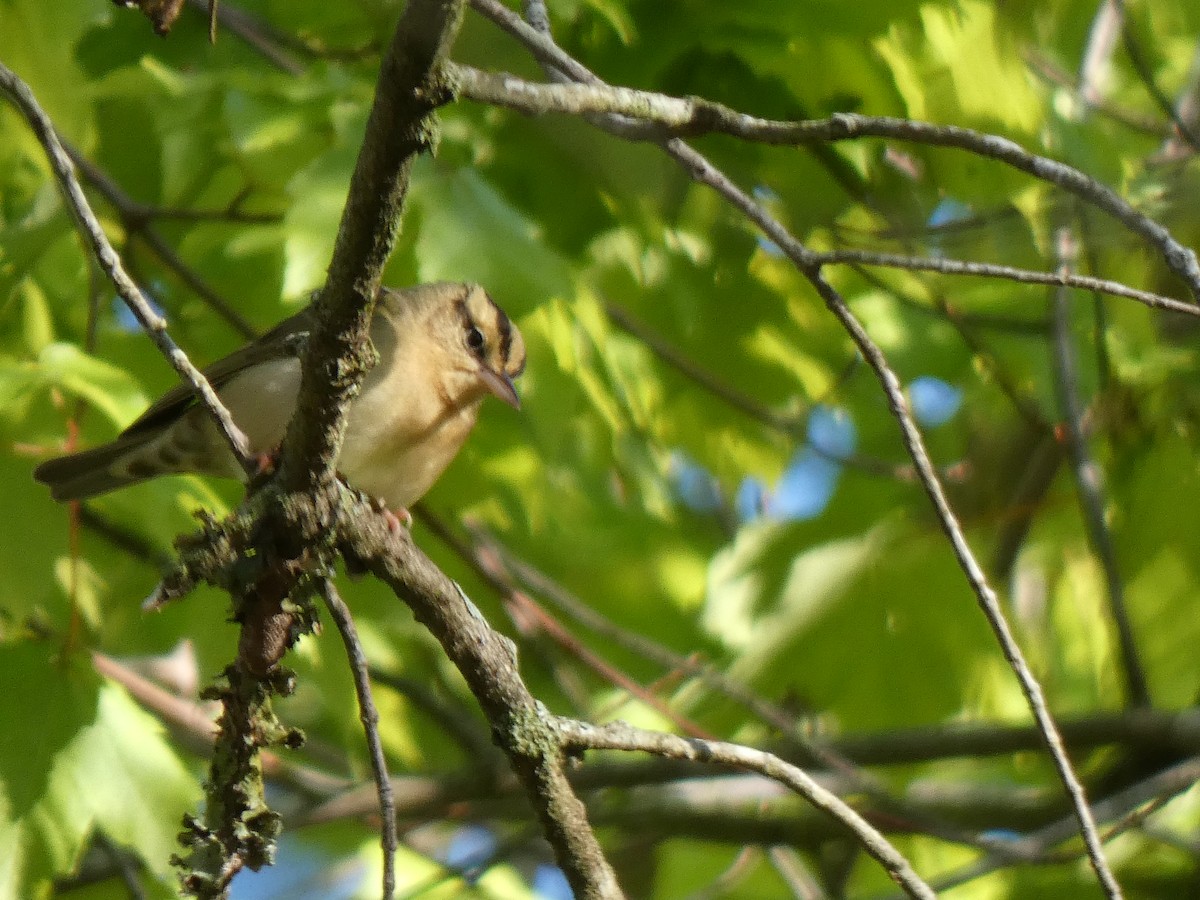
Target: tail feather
x,y
96,471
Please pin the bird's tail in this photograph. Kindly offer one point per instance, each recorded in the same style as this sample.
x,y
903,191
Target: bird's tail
x,y
96,471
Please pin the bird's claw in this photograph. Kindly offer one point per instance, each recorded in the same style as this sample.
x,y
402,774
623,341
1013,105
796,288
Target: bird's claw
x,y
396,519
265,463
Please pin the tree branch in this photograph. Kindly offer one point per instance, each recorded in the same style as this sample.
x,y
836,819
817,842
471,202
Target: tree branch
x,y
682,117
93,233
370,722
400,127
805,260
255,33
944,266
1089,479
520,725
1155,789
1183,130
619,736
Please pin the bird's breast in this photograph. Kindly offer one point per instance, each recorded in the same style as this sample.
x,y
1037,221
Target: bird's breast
x,y
401,435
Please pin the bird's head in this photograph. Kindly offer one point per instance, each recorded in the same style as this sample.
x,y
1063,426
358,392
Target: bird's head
x,y
466,338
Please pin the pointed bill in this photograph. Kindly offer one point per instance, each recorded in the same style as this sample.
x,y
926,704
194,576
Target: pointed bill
x,y
501,386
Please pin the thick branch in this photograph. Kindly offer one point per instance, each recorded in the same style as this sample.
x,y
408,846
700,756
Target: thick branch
x,y
520,725
400,127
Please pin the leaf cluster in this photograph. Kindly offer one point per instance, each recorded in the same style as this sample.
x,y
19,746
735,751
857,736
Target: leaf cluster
x,y
619,482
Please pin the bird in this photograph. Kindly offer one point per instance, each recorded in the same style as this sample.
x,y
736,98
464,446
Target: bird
x,y
442,348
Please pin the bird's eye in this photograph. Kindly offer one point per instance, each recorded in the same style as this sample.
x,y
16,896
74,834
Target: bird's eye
x,y
475,339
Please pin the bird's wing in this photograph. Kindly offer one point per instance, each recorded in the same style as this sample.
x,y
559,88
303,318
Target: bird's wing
x,y
281,341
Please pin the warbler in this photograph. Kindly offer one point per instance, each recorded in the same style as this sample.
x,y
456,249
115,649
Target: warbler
x,y
442,348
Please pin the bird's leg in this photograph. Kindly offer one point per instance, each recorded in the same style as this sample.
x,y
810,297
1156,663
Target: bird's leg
x,y
265,465
266,462
396,519
401,518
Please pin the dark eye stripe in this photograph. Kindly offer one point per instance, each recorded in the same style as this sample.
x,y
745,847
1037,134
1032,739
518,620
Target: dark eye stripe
x,y
503,324
460,305
505,333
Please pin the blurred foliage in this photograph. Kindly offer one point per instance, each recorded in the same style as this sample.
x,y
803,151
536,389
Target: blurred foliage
x,y
663,506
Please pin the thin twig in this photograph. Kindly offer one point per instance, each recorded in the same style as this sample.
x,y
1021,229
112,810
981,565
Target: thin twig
x,y
153,324
792,425
524,609
528,615
1089,479
792,870
370,720
1104,368
619,736
258,35
626,321
842,126
457,723
1165,784
955,315
283,49
182,214
1010,273
983,590
127,866
635,642
1187,109
136,218
1133,49
744,862
688,117
1050,72
1098,53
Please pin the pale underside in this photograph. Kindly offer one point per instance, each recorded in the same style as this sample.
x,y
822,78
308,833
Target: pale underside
x,y
396,444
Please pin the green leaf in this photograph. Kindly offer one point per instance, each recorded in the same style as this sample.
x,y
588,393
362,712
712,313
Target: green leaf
x,y
311,222
18,382
89,758
979,74
469,232
106,387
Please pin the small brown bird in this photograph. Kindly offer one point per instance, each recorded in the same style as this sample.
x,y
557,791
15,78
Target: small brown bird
x,y
442,348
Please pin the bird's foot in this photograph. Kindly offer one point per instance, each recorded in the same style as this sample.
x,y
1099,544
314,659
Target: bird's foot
x,y
396,519
265,463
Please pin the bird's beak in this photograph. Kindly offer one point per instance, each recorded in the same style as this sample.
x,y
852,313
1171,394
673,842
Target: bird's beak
x,y
500,385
